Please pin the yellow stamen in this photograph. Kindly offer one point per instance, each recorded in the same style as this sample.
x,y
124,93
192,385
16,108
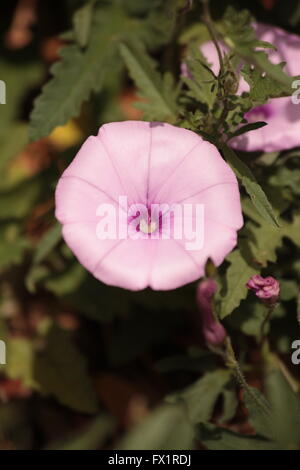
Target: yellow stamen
x,y
145,227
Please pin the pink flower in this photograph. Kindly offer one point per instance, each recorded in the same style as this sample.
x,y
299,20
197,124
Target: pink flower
x,y
148,163
213,331
281,114
265,288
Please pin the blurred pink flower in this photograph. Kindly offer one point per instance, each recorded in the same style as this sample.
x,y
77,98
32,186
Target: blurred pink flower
x,y
149,163
281,114
213,331
265,288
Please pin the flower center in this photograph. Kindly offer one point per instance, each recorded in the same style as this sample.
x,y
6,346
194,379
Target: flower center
x,y
147,227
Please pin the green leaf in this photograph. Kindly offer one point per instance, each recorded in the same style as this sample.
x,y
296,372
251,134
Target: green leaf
x,y
240,36
238,273
165,428
266,240
203,87
286,409
201,397
248,318
66,282
74,77
230,403
60,370
79,72
157,91
37,273
287,177
292,230
47,243
262,87
246,128
216,438
260,414
82,21
247,179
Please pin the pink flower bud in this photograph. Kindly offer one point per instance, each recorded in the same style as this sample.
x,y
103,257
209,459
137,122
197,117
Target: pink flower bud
x,y
265,288
213,332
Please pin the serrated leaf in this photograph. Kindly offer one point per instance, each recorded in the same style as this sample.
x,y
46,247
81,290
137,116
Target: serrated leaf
x,y
157,91
240,36
74,77
266,241
292,230
238,273
262,87
79,72
247,179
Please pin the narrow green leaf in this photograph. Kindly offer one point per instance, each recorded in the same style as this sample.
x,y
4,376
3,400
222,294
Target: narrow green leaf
x,y
247,128
254,190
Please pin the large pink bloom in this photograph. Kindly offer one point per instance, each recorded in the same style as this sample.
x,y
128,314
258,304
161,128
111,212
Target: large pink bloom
x,y
282,116
149,163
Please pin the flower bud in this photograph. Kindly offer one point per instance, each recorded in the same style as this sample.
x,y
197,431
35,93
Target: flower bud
x,y
266,288
213,331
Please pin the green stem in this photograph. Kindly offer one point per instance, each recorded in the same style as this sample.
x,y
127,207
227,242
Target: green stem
x,y
209,24
233,364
